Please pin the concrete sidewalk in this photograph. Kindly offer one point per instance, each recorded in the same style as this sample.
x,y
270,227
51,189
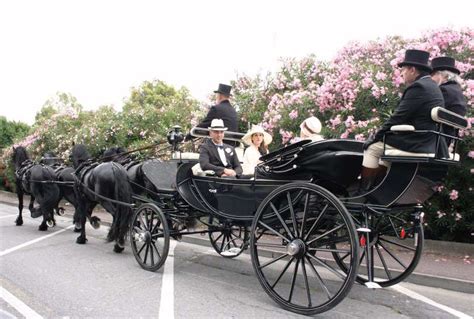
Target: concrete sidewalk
x,y
445,265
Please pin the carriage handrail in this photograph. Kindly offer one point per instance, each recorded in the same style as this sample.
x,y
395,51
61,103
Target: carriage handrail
x,y
228,135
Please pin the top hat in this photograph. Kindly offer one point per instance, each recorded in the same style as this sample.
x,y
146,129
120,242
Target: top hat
x,y
417,58
444,63
224,89
217,125
247,139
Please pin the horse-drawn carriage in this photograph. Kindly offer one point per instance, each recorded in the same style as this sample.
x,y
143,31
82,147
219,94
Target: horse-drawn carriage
x,y
311,234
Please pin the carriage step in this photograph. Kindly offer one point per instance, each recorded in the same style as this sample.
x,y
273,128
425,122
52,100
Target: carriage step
x,y
372,285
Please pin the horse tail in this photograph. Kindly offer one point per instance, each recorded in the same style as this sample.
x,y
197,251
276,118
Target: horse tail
x,y
43,187
123,193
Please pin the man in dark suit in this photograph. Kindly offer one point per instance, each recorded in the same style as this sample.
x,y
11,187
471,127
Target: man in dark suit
x,y
420,96
222,110
218,156
446,75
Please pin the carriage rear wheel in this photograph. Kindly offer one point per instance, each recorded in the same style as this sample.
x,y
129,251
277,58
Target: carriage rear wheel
x,y
150,237
294,232
394,247
228,240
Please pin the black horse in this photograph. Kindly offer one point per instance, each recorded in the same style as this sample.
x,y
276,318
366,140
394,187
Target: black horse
x,y
37,180
105,183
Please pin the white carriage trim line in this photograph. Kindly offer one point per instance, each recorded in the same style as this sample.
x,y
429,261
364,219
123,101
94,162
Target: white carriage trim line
x,y
31,242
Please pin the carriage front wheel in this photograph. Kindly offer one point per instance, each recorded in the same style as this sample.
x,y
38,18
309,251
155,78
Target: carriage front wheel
x,y
294,233
149,236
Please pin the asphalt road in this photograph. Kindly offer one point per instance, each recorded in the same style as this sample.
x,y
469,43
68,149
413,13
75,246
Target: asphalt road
x,y
54,277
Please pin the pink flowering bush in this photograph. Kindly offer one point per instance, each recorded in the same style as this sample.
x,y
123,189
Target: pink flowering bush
x,y
352,95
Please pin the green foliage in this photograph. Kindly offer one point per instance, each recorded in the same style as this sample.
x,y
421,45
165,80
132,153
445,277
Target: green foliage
x,y
11,131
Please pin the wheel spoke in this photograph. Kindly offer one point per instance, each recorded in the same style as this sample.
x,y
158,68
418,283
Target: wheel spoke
x,y
397,244
345,256
273,231
223,242
292,213
324,234
382,259
283,223
272,261
146,253
146,219
305,210
158,234
393,256
305,276
316,222
322,263
158,223
269,245
218,237
283,272
152,256
143,246
293,280
151,220
140,216
319,279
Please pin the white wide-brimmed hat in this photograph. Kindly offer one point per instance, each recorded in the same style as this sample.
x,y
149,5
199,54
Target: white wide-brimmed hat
x,y
310,126
217,125
247,139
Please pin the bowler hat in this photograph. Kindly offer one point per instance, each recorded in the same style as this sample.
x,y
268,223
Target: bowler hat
x,y
444,63
416,58
224,89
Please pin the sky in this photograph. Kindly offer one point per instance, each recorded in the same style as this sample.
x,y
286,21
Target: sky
x,y
97,50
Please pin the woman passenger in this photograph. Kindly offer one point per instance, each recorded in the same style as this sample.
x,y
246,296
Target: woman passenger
x,y
258,141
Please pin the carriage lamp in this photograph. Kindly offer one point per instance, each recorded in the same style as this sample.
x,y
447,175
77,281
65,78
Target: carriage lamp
x,y
175,136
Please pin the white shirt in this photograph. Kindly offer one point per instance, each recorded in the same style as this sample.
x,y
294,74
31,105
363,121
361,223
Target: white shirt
x,y
251,159
220,151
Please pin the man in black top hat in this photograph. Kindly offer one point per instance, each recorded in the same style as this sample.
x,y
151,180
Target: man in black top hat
x,y
217,156
420,96
222,110
446,75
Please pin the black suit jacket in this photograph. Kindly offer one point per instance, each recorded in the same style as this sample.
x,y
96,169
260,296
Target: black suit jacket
x,y
454,101
209,158
415,109
226,112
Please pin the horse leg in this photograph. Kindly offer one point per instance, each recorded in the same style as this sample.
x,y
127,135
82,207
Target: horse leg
x,y
19,193
43,226
31,205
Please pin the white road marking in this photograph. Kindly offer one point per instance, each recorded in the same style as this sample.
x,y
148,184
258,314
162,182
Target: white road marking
x,y
6,216
10,250
417,296
19,305
167,286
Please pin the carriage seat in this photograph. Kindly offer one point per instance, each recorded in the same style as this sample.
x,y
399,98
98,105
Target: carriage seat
x,y
197,171
439,115
185,155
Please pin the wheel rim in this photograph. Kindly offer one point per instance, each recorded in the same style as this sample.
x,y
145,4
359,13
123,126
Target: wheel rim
x,y
396,244
229,241
294,232
149,237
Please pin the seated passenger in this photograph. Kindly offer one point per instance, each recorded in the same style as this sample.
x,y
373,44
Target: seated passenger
x,y
419,98
258,141
446,75
310,129
216,156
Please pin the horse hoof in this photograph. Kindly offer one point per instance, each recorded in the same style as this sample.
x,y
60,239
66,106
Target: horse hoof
x,y
19,221
60,211
95,224
81,240
51,223
77,230
43,227
118,249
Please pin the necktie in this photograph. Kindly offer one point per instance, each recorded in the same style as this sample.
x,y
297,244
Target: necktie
x,y
220,147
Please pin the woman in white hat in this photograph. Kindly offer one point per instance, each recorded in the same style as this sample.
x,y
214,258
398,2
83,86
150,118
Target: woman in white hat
x,y
310,129
258,141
